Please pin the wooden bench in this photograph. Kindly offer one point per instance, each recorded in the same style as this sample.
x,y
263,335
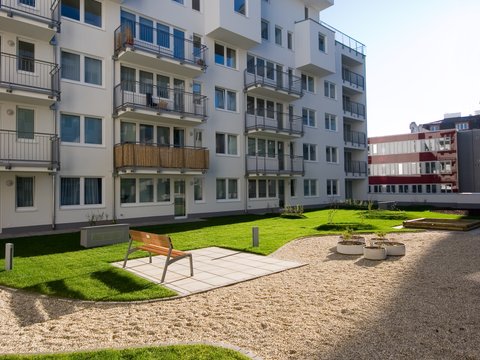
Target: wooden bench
x,y
156,244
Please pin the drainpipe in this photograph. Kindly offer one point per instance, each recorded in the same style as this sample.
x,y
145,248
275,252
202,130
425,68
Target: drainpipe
x,y
54,43
114,177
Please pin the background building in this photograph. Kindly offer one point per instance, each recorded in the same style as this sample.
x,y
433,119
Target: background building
x,y
175,108
437,164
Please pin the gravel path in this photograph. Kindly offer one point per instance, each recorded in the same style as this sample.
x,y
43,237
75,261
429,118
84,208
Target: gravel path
x,y
425,305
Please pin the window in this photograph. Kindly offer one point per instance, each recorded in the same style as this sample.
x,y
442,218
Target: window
x,y
91,14
332,187
163,36
128,132
225,99
128,191
26,56
308,83
27,2
403,189
322,46
310,152
81,191
25,123
179,1
196,5
264,28
225,56
24,187
331,154
417,189
127,78
146,82
227,189
81,129
329,89
461,126
308,116
330,122
434,127
240,6
93,191
289,40
226,144
310,187
163,190
446,188
198,189
262,189
431,189
146,30
278,35
293,187
197,93
72,68
145,187
70,191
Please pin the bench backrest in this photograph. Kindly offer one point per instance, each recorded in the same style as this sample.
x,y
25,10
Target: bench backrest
x,y
151,239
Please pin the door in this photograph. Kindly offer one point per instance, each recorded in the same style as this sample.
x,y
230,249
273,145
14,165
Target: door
x,y
281,156
281,193
178,44
178,137
178,96
280,116
179,198
348,189
279,76
348,162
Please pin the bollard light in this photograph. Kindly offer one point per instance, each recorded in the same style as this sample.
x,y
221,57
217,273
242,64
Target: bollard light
x,y
255,237
8,256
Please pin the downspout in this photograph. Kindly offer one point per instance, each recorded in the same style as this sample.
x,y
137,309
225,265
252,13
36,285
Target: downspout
x,y
54,43
114,177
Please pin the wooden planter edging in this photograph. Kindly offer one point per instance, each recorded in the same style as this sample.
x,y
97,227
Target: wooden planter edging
x,y
442,224
92,236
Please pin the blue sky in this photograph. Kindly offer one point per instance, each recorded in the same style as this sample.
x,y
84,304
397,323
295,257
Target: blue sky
x,y
423,58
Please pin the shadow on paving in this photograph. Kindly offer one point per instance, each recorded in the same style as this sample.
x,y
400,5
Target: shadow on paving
x,y
435,313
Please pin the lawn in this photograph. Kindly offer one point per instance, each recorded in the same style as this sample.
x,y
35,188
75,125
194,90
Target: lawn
x,y
184,352
57,265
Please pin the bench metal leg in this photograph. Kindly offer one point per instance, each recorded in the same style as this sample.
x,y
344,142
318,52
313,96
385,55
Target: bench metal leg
x,y
167,261
128,253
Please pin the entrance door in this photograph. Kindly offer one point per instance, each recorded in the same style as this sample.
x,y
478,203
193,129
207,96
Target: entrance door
x,y
281,193
179,198
178,95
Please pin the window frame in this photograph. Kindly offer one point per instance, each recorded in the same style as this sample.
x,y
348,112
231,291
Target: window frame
x,y
82,130
278,35
330,153
265,31
81,194
227,60
227,190
310,149
22,191
226,99
82,69
309,117
308,83
331,119
329,88
332,184
226,142
309,193
82,14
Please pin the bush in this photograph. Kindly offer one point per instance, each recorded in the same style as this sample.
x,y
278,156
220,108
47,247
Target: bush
x,y
292,212
385,215
345,227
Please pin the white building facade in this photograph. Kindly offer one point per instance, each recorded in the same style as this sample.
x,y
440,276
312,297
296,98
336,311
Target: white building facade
x,y
172,109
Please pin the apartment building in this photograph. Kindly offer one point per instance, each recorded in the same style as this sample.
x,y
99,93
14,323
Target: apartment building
x,y
153,110
436,164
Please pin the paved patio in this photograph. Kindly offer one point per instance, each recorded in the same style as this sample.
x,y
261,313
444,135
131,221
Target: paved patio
x,y
213,267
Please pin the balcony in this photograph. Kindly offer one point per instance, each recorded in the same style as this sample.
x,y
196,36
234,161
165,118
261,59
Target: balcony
x,y
38,19
319,4
25,151
273,122
141,101
153,48
27,79
284,165
353,109
356,168
352,80
355,139
267,81
239,28
159,159
314,48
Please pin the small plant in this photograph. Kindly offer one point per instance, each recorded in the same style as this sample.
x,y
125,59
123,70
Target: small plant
x,y
290,211
347,235
381,234
332,211
93,218
370,205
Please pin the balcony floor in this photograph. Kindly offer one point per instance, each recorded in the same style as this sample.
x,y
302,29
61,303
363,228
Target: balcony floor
x,y
23,95
26,26
173,118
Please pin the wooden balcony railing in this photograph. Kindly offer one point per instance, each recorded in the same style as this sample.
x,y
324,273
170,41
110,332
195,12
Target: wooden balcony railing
x,y
153,156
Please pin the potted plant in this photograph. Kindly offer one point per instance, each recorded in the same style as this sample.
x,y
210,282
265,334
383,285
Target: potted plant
x,y
128,36
200,62
348,245
374,252
393,248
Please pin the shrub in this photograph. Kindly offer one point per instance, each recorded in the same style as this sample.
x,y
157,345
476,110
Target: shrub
x,y
345,227
292,212
385,215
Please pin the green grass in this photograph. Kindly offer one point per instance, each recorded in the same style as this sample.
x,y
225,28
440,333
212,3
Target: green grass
x,y
177,352
56,265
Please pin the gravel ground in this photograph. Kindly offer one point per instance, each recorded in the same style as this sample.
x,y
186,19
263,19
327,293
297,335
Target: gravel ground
x,y
425,305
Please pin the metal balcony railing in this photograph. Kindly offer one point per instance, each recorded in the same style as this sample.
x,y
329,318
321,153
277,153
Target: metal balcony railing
x,y
46,11
354,167
159,98
353,78
29,149
263,119
355,137
353,108
160,43
269,76
346,40
280,165
29,74
154,156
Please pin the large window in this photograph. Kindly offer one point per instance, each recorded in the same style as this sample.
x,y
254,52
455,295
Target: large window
x,y
262,188
331,154
73,64
227,189
310,187
225,56
226,144
26,56
25,123
332,187
81,129
87,11
240,6
329,89
330,122
24,191
81,191
308,116
225,99
310,152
